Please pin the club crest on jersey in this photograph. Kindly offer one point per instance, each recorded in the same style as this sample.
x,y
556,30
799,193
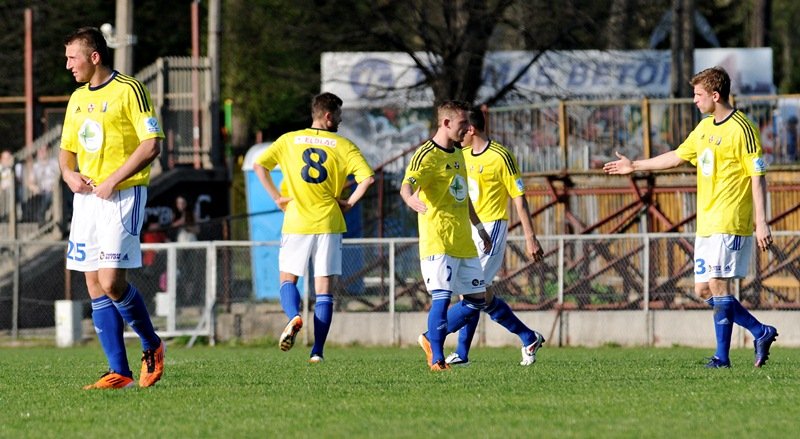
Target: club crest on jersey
x,y
759,165
457,165
151,125
90,108
458,188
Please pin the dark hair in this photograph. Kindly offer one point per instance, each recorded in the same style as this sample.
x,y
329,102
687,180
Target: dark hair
x,y
714,79
477,119
92,39
325,103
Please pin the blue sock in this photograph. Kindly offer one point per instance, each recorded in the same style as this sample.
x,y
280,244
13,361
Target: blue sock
x,y
323,315
742,317
464,311
109,326
133,310
290,299
501,313
437,323
723,325
465,335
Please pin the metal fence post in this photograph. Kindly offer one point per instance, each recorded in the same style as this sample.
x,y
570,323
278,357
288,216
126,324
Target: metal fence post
x,y
392,314
15,293
211,289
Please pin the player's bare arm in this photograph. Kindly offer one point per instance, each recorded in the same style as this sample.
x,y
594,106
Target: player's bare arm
x,y
358,193
412,199
145,153
68,162
625,166
266,181
763,233
532,246
476,222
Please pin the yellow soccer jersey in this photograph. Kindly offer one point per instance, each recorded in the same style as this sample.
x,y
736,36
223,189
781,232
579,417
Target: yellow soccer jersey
x,y
493,178
105,124
315,165
441,175
727,155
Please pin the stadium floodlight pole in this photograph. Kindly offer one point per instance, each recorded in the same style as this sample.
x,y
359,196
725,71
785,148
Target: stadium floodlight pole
x,y
121,39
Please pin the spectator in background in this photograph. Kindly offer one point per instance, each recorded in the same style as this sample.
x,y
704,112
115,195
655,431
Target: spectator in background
x,y
791,139
10,177
41,183
183,223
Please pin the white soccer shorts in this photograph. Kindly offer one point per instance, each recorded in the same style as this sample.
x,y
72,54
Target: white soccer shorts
x,y
721,256
491,262
324,250
457,275
106,233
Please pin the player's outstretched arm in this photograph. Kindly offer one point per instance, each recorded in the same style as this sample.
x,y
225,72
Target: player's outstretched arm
x,y
625,166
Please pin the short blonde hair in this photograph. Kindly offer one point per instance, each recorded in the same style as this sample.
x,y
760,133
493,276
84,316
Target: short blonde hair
x,y
450,108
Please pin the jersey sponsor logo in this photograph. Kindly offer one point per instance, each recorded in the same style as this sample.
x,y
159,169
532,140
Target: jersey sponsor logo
x,y
474,191
706,162
759,165
311,140
90,135
151,125
113,256
458,188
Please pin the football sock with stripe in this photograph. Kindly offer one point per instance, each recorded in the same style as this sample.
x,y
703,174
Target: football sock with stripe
x,y
723,326
465,336
437,323
501,313
109,326
464,311
323,316
290,299
133,310
742,317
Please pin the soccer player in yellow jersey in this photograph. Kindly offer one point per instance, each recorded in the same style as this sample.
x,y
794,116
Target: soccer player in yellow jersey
x,y
494,177
435,186
731,196
111,135
315,163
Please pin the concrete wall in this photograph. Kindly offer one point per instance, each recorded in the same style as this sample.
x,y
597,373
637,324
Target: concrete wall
x,y
571,328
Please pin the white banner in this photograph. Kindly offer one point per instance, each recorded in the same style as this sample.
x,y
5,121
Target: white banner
x,y
379,79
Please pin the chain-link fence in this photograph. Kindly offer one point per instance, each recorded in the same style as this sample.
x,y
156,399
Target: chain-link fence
x,y
188,285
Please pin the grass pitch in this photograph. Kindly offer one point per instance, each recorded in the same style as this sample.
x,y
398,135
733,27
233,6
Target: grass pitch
x,y
259,392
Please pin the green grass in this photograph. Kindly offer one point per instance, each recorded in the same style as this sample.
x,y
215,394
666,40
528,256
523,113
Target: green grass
x,y
234,392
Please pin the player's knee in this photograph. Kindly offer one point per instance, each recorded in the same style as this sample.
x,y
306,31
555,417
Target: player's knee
x,y
702,290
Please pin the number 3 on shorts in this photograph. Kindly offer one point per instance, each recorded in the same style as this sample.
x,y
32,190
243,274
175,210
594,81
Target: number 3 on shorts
x,y
701,266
